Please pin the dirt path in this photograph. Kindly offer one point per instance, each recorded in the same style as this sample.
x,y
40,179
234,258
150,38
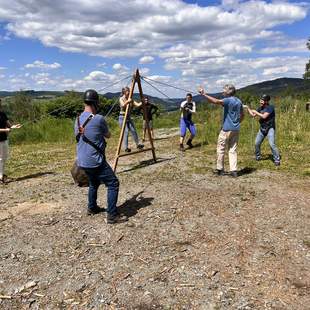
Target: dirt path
x,y
193,241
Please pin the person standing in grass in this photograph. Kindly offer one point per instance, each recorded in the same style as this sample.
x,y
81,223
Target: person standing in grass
x,y
5,128
91,130
150,109
229,134
130,126
267,120
188,108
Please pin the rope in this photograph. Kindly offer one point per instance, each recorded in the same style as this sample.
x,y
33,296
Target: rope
x,y
111,109
169,85
66,106
117,82
169,98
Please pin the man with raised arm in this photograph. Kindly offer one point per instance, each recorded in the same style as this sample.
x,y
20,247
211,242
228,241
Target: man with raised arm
x,y
188,108
229,134
267,120
5,128
91,131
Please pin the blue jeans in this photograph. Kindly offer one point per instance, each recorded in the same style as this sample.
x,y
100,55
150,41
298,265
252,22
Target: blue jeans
x,y
103,174
186,124
271,139
129,127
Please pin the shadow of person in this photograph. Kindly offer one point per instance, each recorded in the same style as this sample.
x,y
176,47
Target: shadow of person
x,y
32,176
131,206
197,145
146,163
267,157
246,170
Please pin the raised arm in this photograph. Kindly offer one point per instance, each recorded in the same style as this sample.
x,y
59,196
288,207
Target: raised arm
x,y
261,115
251,112
137,104
210,98
123,102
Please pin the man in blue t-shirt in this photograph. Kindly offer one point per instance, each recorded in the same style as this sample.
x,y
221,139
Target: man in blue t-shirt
x,y
91,131
229,135
267,120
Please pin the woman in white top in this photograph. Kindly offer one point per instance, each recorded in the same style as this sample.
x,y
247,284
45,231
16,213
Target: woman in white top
x,y
124,101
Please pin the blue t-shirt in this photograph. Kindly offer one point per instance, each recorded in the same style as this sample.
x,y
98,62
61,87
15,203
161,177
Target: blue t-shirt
x,y
232,114
95,130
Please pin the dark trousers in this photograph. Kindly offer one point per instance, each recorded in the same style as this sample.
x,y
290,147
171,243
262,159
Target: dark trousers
x,y
103,175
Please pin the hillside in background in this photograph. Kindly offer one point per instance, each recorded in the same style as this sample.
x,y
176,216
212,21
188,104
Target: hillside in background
x,y
277,87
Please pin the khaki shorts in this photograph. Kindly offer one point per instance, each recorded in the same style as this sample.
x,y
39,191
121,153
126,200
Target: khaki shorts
x,y
4,150
150,124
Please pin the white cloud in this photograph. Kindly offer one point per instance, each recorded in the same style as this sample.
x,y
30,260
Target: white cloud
x,y
119,67
201,44
97,76
285,45
39,64
144,71
146,60
101,27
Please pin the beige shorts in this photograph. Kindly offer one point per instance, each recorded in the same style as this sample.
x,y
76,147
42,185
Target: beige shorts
x,y
4,149
150,124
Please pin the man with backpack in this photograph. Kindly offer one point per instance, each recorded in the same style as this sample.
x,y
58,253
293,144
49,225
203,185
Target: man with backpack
x,y
267,120
91,131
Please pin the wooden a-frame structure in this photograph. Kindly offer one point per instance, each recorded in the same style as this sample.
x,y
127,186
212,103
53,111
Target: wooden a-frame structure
x,y
136,79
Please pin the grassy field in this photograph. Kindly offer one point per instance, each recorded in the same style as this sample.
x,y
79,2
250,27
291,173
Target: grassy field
x,y
49,143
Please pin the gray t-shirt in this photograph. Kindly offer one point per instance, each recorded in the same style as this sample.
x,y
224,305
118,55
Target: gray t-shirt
x,y
95,130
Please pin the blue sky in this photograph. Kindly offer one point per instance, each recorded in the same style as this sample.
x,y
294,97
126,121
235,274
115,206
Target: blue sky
x,y
82,44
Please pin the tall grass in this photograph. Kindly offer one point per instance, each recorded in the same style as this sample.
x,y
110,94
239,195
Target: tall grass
x,y
292,133
48,130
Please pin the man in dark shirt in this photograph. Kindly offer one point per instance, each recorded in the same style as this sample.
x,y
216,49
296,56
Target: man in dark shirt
x,y
151,109
5,128
267,117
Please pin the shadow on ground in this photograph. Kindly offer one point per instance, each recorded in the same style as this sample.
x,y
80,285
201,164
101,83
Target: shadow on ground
x,y
32,176
146,163
246,170
131,206
267,157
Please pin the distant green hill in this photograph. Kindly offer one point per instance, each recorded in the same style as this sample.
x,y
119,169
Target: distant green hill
x,y
277,87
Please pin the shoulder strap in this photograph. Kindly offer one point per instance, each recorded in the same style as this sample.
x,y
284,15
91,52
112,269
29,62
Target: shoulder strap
x,y
96,147
81,128
84,138
89,118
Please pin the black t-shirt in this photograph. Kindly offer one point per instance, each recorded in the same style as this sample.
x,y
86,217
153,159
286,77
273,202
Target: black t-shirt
x,y
3,125
270,121
150,110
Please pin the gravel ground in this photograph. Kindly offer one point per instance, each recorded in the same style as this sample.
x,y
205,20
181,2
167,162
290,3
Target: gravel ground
x,y
193,240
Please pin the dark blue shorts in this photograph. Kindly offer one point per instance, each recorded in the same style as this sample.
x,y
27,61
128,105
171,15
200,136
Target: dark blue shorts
x,y
186,124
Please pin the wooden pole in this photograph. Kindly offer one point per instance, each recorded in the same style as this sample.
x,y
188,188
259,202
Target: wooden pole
x,y
120,141
138,80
